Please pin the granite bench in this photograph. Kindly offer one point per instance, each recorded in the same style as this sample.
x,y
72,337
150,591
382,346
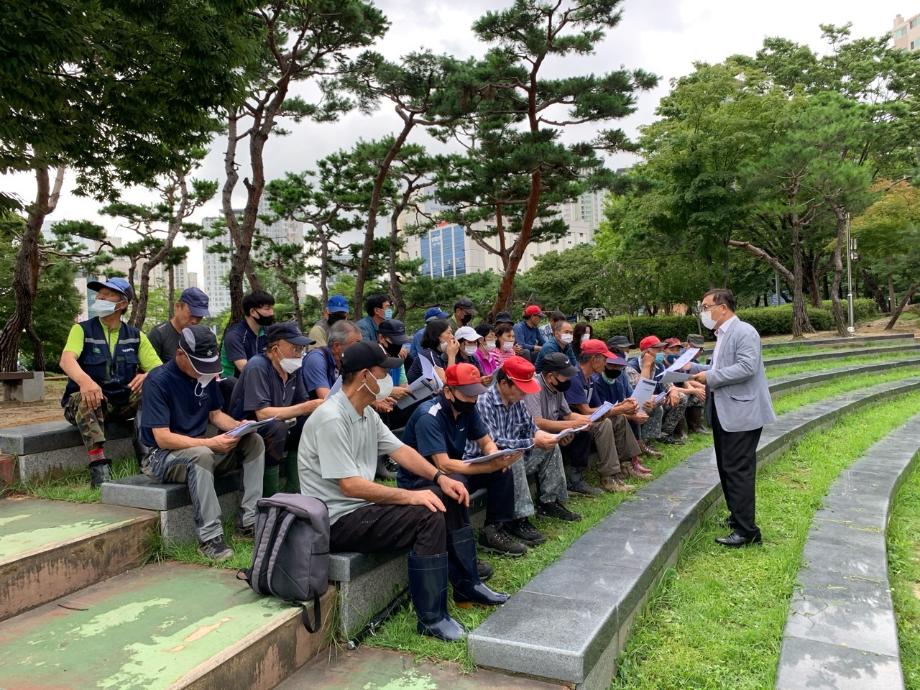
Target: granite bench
x,y
23,386
52,448
841,631
569,623
171,501
853,352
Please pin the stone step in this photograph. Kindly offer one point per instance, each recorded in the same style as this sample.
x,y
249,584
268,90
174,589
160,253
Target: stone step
x,y
842,342
51,548
786,383
570,622
167,625
841,629
854,352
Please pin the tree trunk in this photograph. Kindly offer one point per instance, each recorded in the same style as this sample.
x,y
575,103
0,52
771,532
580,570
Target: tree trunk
x,y
324,271
143,295
26,273
814,291
840,320
800,321
908,296
396,293
171,290
506,289
295,300
876,292
892,296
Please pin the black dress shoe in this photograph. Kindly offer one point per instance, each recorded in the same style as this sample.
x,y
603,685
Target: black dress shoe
x,y
735,540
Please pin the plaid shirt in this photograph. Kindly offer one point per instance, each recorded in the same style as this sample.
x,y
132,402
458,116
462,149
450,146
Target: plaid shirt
x,y
509,426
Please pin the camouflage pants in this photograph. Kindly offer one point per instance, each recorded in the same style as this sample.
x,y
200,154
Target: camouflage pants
x,y
91,423
547,465
652,428
673,415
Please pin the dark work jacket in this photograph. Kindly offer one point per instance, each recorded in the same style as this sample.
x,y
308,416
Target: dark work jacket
x,y
112,371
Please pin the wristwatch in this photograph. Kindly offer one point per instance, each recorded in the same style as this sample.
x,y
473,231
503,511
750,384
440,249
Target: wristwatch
x,y
436,476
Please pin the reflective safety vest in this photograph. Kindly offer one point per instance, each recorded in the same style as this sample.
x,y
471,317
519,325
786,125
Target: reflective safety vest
x,y
112,371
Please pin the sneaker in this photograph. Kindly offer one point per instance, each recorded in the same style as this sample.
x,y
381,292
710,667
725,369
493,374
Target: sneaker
x,y
495,539
523,531
484,570
650,452
240,531
615,485
580,486
215,550
99,473
558,511
671,440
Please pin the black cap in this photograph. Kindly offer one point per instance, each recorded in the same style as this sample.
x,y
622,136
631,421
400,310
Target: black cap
x,y
201,346
463,303
364,355
620,342
696,340
503,317
393,330
558,363
287,330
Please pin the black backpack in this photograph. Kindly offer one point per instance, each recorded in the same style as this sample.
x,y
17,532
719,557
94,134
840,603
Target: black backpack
x,y
290,556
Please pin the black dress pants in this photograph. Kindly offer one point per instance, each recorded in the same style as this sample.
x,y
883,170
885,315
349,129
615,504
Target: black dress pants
x,y
736,458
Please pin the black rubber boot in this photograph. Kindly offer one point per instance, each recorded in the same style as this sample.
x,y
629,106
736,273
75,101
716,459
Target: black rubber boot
x,y
428,590
99,473
464,574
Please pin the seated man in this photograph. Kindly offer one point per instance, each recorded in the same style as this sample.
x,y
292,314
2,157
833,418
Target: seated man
x,y
439,430
625,379
650,364
245,339
190,309
271,386
180,399
563,333
336,310
106,362
617,446
321,366
337,457
511,425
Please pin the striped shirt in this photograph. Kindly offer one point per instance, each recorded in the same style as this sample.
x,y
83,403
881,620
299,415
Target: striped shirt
x,y
510,426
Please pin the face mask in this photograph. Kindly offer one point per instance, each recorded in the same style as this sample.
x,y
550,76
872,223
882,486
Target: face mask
x,y
102,307
443,347
384,386
203,381
291,364
508,347
586,337
670,359
336,317
462,406
611,374
562,386
393,349
490,345
264,321
566,338
388,313
466,318
708,321
659,357
470,350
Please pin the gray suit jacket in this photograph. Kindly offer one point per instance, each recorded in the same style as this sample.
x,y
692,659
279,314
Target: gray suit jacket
x,y
738,384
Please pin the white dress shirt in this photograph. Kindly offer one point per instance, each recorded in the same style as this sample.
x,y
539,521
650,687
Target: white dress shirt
x,y
721,331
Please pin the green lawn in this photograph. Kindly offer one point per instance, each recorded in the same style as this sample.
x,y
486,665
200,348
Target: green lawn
x,y
843,346
74,485
904,574
717,618
782,370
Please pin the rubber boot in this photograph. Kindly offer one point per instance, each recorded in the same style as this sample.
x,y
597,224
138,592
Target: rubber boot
x,y
464,573
270,481
99,473
428,590
291,472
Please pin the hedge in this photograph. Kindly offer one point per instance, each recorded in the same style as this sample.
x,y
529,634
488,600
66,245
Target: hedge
x,y
767,321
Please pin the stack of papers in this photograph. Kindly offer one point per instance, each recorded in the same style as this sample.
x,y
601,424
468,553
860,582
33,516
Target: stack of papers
x,y
248,427
565,433
497,454
601,411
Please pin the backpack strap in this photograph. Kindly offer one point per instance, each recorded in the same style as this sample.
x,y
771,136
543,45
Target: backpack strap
x,y
265,537
317,615
277,543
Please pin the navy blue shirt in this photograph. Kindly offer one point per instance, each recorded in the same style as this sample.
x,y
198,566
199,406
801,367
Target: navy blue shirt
x,y
615,392
318,370
583,390
261,386
432,429
241,343
169,401
527,336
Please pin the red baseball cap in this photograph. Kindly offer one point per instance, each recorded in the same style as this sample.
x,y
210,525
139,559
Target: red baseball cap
x,y
596,347
521,372
465,378
648,341
673,342
533,309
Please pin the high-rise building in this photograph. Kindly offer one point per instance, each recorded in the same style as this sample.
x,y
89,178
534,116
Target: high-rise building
x,y
906,32
448,251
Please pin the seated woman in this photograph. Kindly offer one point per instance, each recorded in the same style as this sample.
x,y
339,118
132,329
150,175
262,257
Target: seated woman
x,y
582,332
487,352
507,345
438,347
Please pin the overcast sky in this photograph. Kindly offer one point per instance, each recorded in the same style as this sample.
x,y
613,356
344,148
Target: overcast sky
x,y
662,36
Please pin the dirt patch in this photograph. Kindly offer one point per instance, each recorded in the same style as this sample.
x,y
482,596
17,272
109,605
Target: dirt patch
x,y
46,410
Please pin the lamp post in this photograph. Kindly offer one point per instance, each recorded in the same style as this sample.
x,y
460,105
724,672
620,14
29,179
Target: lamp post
x,y
851,329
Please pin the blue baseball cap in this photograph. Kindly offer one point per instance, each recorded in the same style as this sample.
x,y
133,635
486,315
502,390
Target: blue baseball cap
x,y
337,304
119,285
435,312
196,300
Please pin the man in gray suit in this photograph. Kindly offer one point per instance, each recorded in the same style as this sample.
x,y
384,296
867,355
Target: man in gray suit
x,y
738,406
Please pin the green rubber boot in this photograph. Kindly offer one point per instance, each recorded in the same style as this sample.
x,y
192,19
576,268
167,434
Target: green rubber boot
x,y
270,482
291,473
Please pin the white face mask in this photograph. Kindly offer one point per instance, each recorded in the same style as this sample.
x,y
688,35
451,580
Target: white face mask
x,y
103,307
490,345
443,347
291,364
384,386
566,338
508,347
708,321
470,349
586,337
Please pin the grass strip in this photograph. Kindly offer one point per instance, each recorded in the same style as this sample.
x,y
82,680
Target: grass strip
x,y
827,364
843,346
904,574
73,485
716,619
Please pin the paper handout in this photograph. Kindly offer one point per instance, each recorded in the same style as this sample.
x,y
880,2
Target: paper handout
x,y
684,359
429,371
675,377
248,426
643,391
497,454
601,411
420,389
565,433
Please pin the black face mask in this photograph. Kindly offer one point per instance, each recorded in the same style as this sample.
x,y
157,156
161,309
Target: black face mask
x,y
462,406
335,317
393,349
562,386
264,321
612,373
466,318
